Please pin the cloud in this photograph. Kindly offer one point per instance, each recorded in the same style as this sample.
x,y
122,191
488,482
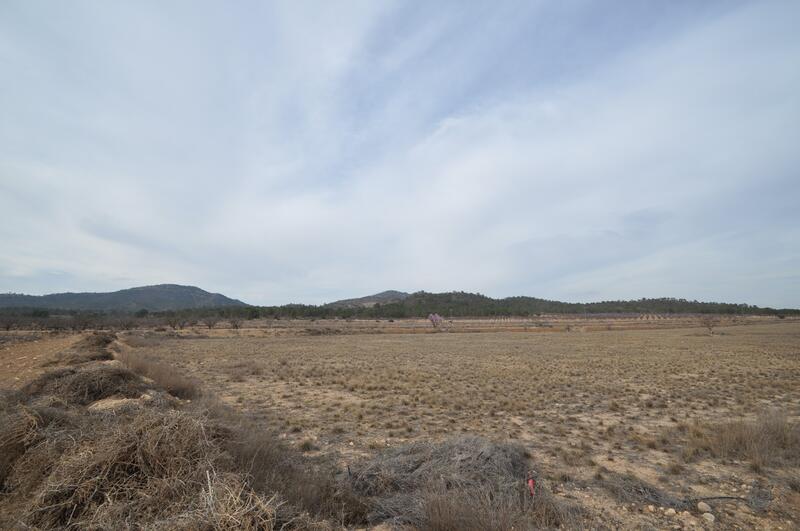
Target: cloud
x,y
529,148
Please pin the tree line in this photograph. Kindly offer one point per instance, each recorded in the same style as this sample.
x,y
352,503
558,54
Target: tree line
x,y
417,305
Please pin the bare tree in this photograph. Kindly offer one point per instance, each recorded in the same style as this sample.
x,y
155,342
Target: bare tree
x,y
211,321
80,322
7,322
435,319
235,322
709,322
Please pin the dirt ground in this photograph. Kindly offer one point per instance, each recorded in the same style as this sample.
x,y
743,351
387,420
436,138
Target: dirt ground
x,y
24,354
606,410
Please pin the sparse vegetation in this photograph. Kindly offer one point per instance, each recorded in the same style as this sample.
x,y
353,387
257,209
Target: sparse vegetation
x,y
709,322
162,374
768,439
423,430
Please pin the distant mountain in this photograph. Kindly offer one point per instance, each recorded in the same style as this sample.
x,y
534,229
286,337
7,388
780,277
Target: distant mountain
x,y
463,304
384,297
152,298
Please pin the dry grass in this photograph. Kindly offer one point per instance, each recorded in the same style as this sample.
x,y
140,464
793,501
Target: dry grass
x,y
162,374
19,431
207,466
769,439
589,406
91,348
439,432
158,468
65,467
146,339
164,465
84,385
482,509
142,466
305,486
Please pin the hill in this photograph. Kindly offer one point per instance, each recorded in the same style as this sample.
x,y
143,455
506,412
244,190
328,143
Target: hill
x,y
474,304
394,304
152,298
384,297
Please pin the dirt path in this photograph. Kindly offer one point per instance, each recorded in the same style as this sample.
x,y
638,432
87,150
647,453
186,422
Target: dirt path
x,y
21,361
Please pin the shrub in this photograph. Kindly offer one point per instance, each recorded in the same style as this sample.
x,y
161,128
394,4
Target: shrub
x,y
162,374
767,440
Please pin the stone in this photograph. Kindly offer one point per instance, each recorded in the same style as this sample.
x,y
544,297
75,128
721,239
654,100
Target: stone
x,y
650,509
703,507
708,517
670,512
110,404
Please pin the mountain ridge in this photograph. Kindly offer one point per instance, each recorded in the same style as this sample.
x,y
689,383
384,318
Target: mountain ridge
x,y
158,297
384,297
460,303
390,303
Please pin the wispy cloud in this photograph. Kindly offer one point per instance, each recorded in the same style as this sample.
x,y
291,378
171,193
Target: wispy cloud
x,y
305,152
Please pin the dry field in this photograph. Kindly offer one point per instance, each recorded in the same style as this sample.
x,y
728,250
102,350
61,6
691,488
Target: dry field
x,y
624,424
618,420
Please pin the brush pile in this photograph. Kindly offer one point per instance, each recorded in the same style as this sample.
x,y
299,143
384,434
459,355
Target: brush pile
x,y
91,348
465,483
156,466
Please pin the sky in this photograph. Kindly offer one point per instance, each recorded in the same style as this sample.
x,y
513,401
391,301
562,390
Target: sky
x,y
306,152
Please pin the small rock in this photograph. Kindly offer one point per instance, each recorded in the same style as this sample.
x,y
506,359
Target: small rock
x,y
670,512
650,509
708,517
108,404
703,507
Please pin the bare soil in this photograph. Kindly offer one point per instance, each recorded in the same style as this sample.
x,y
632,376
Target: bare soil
x,y
23,354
